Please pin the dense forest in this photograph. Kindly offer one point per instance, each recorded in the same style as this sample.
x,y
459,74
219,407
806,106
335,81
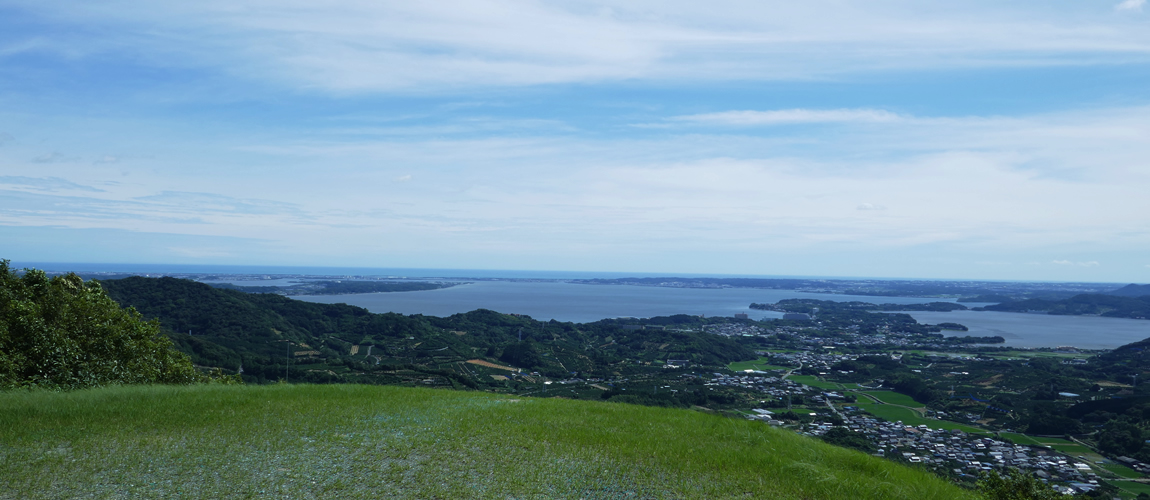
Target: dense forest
x,y
861,317
1114,306
273,337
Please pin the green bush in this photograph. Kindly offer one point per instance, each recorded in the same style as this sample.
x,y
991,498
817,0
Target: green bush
x,y
1015,485
63,333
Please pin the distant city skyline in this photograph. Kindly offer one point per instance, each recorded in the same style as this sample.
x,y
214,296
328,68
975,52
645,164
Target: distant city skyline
x,y
883,139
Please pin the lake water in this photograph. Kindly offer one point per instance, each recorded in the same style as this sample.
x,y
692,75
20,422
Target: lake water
x,y
585,303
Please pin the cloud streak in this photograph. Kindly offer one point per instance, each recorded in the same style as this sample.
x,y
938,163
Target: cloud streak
x,y
1130,5
357,46
791,117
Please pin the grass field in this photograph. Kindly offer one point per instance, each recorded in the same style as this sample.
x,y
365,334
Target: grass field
x,y
331,441
758,364
894,398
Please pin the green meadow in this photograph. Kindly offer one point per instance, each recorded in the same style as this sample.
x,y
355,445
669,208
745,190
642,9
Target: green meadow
x,y
345,441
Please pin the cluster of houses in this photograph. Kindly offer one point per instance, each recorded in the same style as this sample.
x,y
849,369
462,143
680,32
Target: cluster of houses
x,y
773,386
965,454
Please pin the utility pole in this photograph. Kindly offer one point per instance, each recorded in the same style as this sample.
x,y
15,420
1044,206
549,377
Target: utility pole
x,y
287,364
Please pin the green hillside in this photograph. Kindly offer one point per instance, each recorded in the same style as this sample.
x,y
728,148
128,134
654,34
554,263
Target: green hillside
x,y
1113,306
354,441
330,342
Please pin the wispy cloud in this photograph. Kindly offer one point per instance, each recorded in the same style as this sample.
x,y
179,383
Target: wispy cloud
x,y
350,46
792,116
193,202
44,183
54,157
1092,263
1130,5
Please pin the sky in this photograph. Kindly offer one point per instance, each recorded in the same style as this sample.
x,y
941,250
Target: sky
x,y
956,140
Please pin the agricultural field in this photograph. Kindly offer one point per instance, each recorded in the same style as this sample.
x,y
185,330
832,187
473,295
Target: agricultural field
x,y
894,398
1122,471
910,417
758,364
1132,488
347,441
1017,438
813,381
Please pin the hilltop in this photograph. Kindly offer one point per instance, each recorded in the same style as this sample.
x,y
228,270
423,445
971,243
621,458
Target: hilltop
x,y
341,441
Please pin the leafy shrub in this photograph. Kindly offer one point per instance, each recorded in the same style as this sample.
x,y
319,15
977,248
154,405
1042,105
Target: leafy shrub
x,y
63,333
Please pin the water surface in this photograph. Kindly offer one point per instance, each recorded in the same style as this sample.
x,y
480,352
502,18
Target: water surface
x,y
585,303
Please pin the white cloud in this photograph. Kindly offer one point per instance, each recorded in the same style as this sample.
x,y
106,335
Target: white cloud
x,y
1130,5
403,178
356,45
1092,263
792,116
870,206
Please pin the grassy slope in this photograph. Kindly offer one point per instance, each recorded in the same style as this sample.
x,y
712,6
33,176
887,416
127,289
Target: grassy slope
x,y
371,441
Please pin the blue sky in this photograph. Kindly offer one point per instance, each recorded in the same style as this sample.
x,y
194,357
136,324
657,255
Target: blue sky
x,y
899,139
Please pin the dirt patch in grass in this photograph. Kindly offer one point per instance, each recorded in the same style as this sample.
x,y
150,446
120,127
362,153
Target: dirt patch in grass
x,y
489,364
990,381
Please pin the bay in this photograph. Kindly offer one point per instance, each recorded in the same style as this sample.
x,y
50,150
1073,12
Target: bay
x,y
585,303
1044,330
580,303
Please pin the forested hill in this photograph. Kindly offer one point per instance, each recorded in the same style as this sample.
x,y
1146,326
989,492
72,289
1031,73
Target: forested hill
x,y
1132,290
1086,304
332,342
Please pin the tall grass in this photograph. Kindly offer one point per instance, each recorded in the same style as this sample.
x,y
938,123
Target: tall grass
x,y
376,442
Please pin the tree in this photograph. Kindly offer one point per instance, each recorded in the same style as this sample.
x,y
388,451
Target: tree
x,y
1015,485
522,354
63,333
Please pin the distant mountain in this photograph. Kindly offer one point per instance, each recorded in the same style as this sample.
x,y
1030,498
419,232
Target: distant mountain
x,y
1132,290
